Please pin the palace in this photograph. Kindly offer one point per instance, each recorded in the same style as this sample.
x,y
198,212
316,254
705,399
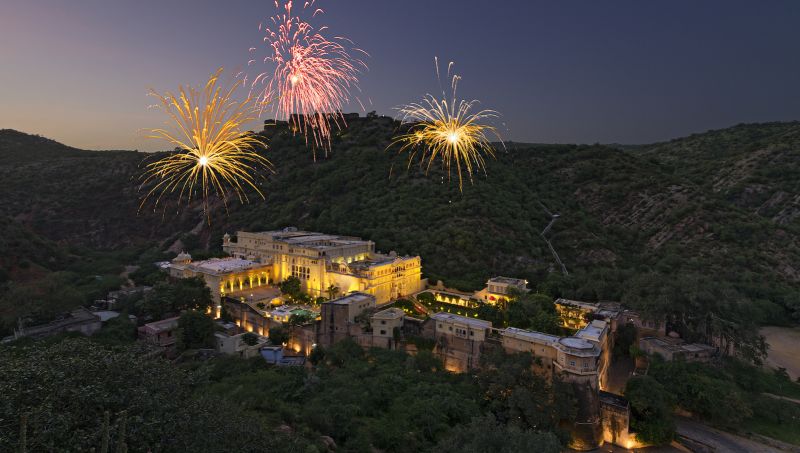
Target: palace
x,y
327,263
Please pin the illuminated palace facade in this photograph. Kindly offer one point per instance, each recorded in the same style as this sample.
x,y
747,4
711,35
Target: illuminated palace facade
x,y
323,261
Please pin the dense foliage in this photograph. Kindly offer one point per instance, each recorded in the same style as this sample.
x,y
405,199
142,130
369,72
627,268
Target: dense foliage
x,y
651,410
732,395
64,388
393,402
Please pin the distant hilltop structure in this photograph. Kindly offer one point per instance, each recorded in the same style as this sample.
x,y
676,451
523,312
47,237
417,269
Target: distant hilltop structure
x,y
347,118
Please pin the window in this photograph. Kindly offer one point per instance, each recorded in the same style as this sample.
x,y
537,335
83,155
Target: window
x,y
383,322
471,333
383,332
301,272
571,363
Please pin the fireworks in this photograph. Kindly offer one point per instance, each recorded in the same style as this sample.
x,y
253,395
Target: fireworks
x,y
449,129
213,155
313,76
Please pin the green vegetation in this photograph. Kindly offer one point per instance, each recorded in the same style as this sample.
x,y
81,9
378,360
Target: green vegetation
x,y
392,402
625,341
118,331
78,395
732,395
700,230
534,312
291,288
65,389
278,335
250,339
409,307
651,410
195,330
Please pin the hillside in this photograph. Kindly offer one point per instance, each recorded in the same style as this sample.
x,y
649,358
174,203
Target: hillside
x,y
696,229
754,166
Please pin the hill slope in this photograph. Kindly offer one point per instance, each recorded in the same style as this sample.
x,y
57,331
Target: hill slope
x,y
706,221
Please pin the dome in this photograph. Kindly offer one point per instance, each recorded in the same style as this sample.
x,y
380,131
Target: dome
x,y
182,257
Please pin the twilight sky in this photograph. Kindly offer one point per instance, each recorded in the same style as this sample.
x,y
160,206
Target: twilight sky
x,y
559,71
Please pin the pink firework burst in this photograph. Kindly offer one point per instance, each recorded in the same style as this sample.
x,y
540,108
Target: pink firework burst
x,y
312,78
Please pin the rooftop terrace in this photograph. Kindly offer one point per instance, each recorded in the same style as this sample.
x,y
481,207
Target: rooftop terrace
x,y
224,265
508,281
310,239
528,335
472,322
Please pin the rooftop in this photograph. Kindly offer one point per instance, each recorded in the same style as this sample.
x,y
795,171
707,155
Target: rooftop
x,y
310,239
389,313
472,322
613,399
258,294
529,335
375,260
105,315
351,298
78,316
161,326
576,343
592,306
676,344
508,281
592,331
224,265
294,310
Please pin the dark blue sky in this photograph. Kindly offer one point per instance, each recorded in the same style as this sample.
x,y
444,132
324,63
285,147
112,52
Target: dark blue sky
x,y
558,71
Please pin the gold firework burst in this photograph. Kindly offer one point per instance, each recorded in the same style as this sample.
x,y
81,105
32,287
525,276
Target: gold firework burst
x,y
213,154
450,129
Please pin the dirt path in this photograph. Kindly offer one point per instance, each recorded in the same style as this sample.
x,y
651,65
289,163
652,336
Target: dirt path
x,y
784,344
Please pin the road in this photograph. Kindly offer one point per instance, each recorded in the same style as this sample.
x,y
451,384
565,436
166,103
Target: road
x,y
720,441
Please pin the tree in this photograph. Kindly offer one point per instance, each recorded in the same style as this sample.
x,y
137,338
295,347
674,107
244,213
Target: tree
x,y
291,287
317,355
164,412
117,331
535,312
426,298
278,335
195,330
486,435
516,395
300,319
250,339
192,294
624,340
173,297
651,410
225,315
332,291
492,314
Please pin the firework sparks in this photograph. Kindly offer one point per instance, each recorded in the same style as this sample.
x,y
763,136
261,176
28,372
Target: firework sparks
x,y
313,76
450,129
213,154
